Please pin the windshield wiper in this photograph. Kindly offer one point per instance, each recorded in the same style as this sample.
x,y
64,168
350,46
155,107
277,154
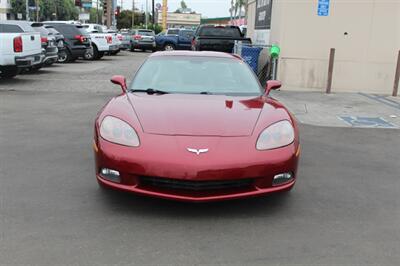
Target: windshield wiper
x,y
206,93
151,91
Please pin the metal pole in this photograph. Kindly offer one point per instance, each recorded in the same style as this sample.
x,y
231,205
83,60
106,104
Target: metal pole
x,y
97,11
37,10
109,13
397,77
164,14
147,14
27,9
153,12
133,14
330,70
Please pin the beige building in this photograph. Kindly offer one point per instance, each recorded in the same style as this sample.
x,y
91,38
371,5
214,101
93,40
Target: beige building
x,y
365,33
181,20
5,9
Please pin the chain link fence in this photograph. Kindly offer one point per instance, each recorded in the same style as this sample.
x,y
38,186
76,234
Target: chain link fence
x,y
259,59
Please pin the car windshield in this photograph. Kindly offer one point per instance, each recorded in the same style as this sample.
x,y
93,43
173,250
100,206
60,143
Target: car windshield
x,y
146,33
173,32
220,31
42,30
53,31
194,74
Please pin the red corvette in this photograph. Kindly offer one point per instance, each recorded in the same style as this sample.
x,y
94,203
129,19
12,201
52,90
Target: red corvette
x,y
196,126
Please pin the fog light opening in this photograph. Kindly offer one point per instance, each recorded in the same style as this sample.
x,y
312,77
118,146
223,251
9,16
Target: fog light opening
x,y
282,179
110,175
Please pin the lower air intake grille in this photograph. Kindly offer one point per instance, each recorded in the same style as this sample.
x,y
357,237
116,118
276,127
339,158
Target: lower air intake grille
x,y
194,185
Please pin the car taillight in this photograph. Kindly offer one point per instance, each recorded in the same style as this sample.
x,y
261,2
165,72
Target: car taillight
x,y
80,38
18,45
137,37
109,39
44,39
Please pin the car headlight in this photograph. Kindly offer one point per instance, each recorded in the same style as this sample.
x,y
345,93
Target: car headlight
x,y
275,136
117,131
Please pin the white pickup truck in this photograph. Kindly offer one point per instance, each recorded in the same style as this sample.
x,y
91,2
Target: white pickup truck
x,y
20,47
102,42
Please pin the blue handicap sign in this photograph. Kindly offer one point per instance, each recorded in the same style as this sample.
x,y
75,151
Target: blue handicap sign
x,y
372,122
323,8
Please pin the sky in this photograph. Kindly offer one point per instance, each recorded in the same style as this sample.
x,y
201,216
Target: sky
x,y
208,8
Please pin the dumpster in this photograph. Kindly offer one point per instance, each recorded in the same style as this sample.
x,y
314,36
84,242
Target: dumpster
x,y
250,55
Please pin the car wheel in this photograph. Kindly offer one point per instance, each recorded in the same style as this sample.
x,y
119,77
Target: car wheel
x,y
169,47
96,53
89,55
154,50
64,57
9,72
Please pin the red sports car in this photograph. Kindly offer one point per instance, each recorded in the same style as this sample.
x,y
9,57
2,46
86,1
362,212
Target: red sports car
x,y
196,126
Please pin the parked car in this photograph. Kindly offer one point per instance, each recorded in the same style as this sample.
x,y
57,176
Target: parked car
x,y
76,43
101,41
59,40
20,47
180,41
143,39
217,38
116,40
126,40
49,43
229,138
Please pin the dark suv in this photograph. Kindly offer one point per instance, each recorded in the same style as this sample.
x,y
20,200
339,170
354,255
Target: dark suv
x,y
76,43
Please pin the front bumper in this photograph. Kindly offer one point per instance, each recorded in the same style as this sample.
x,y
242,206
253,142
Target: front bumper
x,y
136,169
29,61
51,54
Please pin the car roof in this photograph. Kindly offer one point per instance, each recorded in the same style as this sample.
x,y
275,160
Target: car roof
x,y
193,54
25,25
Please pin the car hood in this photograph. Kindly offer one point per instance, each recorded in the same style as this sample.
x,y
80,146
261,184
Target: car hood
x,y
197,115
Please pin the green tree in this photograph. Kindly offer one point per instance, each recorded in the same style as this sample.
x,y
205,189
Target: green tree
x,y
183,4
96,15
49,9
124,20
18,6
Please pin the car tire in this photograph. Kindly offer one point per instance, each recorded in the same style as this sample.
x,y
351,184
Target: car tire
x,y
9,72
154,50
100,55
169,47
89,55
64,57
96,53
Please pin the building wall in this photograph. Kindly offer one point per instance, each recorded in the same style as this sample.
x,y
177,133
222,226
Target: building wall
x,y
181,19
365,33
4,9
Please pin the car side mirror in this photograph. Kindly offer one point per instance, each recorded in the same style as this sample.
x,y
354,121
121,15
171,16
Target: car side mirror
x,y
120,80
272,85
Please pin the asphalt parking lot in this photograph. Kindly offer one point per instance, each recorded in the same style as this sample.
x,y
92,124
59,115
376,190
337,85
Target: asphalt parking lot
x,y
344,210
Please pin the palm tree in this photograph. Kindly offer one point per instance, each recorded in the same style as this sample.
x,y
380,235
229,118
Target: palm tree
x,y
239,7
231,10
